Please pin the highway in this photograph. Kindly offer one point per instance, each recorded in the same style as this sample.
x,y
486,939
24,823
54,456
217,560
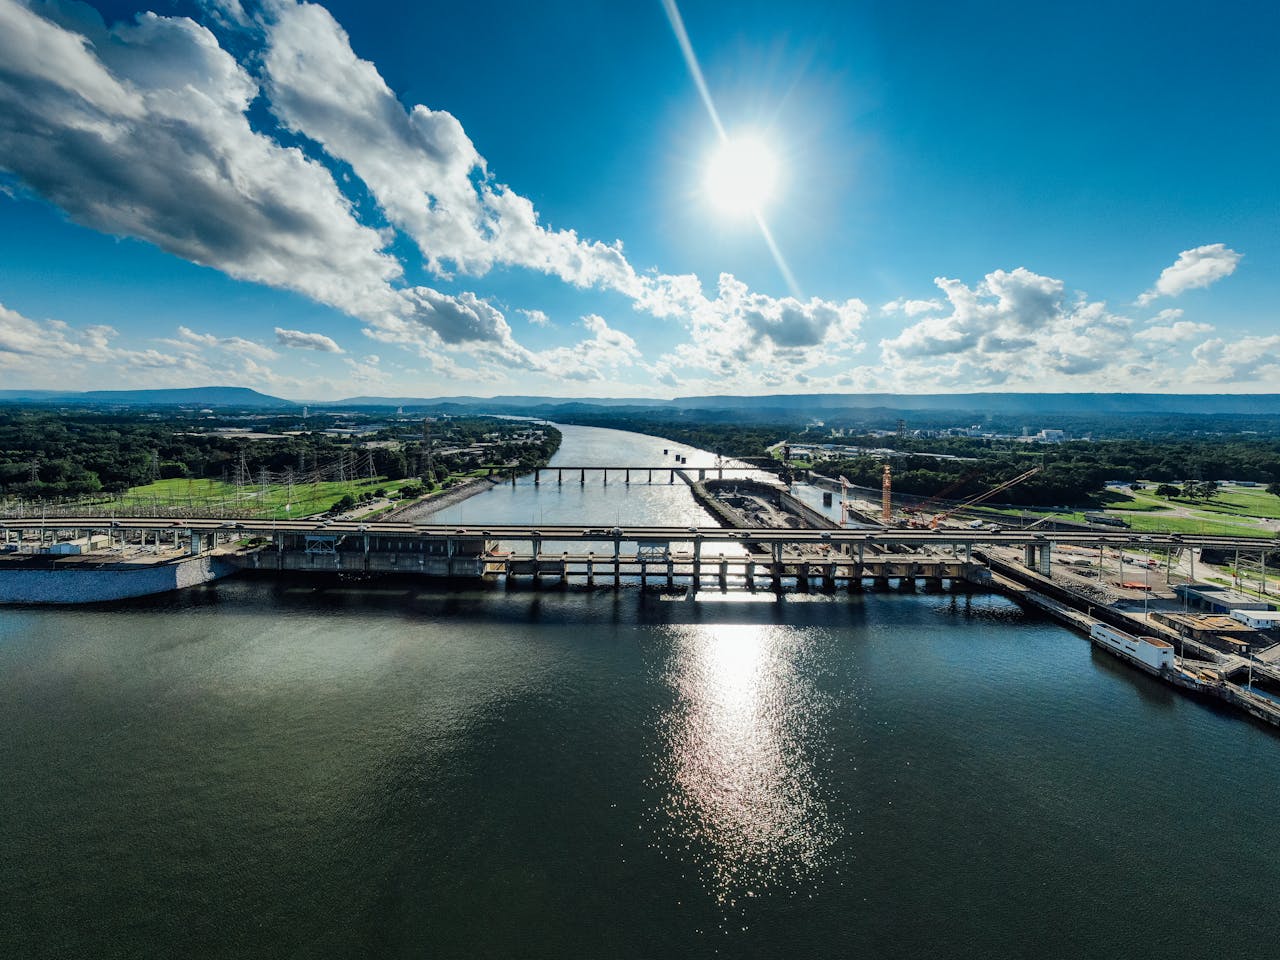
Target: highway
x,y
878,536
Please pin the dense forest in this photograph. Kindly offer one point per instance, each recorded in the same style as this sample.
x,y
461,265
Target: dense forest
x,y
46,453
726,439
1071,473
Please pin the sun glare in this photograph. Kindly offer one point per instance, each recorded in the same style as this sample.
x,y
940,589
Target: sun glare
x,y
741,176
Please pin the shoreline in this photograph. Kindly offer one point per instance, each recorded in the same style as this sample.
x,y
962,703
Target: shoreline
x,y
420,509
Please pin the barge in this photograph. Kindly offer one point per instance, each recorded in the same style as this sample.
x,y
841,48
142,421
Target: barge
x,y
1151,654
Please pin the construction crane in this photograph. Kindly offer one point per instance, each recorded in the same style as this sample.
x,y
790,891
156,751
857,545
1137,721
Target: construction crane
x,y
932,504
886,495
983,497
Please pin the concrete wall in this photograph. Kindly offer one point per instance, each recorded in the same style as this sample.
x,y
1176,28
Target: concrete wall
x,y
120,582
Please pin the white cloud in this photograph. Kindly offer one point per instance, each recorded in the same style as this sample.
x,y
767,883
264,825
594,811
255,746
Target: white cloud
x,y
190,340
1194,268
536,318
366,370
912,308
1015,327
300,340
418,163
1180,331
1239,362
57,348
142,132
740,332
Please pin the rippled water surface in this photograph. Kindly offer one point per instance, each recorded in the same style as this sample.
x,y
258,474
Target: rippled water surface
x,y
285,769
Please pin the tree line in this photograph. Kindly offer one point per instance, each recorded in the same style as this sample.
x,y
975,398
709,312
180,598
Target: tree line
x,y
50,453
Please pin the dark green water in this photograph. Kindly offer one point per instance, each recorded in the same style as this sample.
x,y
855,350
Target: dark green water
x,y
266,770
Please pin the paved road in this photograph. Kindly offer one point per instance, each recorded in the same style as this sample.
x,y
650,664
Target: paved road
x,y
882,536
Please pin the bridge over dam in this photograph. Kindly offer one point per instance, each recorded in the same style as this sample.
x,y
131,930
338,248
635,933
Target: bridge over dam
x,y
667,473
689,554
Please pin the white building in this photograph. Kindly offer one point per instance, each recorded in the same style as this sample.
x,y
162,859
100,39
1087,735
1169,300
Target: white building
x,y
1258,619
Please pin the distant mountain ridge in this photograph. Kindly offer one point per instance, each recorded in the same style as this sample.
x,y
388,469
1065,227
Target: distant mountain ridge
x,y
960,404
180,396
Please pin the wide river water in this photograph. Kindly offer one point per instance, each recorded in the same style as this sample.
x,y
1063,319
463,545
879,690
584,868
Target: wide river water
x,y
278,769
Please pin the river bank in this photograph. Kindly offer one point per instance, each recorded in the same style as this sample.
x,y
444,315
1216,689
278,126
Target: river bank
x,y
424,508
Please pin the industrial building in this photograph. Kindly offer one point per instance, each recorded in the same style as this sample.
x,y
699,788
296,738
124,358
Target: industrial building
x,y
1216,599
1258,619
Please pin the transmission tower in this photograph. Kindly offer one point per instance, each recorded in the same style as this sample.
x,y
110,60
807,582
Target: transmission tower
x,y
242,475
34,474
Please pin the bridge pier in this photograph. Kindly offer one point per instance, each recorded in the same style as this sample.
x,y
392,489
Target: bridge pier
x,y
559,478
724,573
537,478
697,564
582,479
591,568
617,563
671,571
627,478
513,478
776,572
650,476
854,584
605,474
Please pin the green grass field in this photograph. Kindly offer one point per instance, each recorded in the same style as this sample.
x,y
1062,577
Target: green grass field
x,y
1249,502
1162,523
1144,520
279,502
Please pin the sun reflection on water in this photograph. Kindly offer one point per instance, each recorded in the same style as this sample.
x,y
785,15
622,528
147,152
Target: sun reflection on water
x,y
742,797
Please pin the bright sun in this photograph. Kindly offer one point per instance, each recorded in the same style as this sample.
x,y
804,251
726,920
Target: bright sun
x,y
741,176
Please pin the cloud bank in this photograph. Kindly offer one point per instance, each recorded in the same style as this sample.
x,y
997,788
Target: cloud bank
x,y
142,129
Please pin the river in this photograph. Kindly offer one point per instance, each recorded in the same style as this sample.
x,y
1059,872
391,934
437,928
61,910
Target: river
x,y
270,768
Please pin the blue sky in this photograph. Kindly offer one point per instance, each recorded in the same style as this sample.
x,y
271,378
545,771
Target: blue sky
x,y
357,198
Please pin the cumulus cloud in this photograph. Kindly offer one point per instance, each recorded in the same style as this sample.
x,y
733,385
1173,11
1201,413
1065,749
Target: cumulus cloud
x,y
740,331
189,339
1180,331
1246,360
912,308
418,163
25,343
140,130
606,350
1194,268
300,340
366,370
1014,327
536,318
